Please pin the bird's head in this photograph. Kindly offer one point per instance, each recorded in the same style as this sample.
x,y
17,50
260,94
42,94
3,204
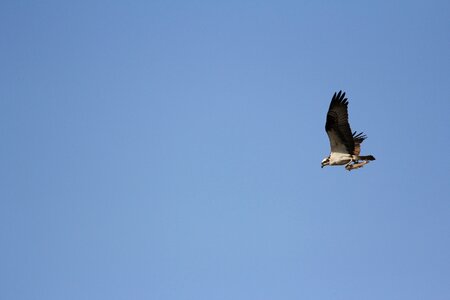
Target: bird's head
x,y
325,162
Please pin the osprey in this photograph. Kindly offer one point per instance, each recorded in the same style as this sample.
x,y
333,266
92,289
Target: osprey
x,y
345,145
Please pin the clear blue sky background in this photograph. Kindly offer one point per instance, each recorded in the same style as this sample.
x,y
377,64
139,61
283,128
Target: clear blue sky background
x,y
171,150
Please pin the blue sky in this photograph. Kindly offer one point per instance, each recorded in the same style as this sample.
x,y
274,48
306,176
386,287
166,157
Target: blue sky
x,y
171,150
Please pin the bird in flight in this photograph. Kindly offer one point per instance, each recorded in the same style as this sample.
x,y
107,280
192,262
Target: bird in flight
x,y
345,145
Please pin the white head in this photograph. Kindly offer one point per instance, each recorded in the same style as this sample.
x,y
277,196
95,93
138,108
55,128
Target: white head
x,y
325,162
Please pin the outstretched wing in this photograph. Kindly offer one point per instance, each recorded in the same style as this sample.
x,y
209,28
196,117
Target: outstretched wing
x,y
337,126
358,138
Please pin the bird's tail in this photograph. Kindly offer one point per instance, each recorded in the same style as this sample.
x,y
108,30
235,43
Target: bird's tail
x,y
366,157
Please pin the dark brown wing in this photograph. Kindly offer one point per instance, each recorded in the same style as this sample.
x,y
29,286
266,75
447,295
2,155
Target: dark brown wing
x,y
358,138
337,126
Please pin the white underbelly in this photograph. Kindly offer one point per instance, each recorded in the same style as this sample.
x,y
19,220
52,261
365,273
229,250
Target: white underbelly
x,y
339,158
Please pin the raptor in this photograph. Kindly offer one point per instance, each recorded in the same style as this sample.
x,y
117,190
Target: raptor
x,y
345,144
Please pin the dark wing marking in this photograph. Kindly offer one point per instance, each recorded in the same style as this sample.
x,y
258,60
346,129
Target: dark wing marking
x,y
358,138
337,126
